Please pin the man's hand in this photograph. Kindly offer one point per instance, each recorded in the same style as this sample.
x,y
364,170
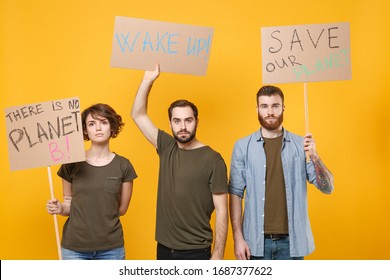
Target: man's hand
x,y
151,76
241,250
309,144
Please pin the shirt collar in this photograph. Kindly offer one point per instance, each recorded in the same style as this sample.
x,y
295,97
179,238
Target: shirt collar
x,y
260,138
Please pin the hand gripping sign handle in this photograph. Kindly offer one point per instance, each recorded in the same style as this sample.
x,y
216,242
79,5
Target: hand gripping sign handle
x,y
54,216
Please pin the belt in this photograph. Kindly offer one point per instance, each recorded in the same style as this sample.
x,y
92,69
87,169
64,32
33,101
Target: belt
x,y
274,236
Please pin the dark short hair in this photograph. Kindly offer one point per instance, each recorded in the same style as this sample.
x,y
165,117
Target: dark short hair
x,y
268,91
105,111
183,103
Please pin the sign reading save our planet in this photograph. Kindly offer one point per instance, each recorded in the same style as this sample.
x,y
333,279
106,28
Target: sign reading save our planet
x,y
306,53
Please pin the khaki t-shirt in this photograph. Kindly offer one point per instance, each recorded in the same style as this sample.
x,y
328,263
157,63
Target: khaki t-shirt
x,y
187,180
93,223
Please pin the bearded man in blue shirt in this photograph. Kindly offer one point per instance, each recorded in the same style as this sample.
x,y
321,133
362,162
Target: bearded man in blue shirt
x,y
269,168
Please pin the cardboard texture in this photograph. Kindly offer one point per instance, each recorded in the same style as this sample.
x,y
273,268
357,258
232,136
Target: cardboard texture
x,y
306,53
44,134
178,48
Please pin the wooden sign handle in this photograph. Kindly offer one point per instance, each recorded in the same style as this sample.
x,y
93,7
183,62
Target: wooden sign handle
x,y
54,216
305,93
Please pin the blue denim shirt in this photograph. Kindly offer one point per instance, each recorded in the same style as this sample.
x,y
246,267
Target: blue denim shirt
x,y
247,174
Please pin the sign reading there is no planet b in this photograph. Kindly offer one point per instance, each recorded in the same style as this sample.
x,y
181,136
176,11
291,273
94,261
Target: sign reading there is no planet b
x,y
45,134
306,53
178,48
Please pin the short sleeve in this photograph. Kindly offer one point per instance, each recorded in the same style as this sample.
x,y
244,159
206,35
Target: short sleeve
x,y
218,179
65,172
129,172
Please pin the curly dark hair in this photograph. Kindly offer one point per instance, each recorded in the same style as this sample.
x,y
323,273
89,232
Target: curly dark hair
x,y
105,111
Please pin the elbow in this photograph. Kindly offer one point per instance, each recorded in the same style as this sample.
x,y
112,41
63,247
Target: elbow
x,y
133,115
331,185
137,116
325,184
236,191
135,112
122,211
329,188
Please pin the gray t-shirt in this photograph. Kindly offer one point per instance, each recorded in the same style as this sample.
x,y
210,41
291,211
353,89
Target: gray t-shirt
x,y
93,222
187,180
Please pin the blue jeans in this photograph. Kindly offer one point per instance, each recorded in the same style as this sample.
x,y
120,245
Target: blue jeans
x,y
165,253
276,250
112,254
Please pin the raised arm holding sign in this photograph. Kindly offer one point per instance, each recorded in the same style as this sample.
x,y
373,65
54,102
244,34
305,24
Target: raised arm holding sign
x,y
192,182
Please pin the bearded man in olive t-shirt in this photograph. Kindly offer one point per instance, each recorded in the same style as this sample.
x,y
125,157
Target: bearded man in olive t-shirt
x,y
192,182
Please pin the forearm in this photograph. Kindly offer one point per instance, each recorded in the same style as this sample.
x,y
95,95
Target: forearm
x,y
141,100
139,112
221,229
324,177
65,206
236,216
241,249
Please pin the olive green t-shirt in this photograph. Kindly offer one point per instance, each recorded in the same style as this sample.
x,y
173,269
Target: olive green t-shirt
x,y
187,180
275,212
93,222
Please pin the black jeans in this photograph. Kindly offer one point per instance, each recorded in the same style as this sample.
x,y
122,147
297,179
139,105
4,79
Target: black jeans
x,y
165,253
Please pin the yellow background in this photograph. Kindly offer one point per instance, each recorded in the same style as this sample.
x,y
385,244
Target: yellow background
x,y
58,49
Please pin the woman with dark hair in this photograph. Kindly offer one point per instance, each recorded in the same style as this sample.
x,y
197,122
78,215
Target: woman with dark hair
x,y
96,192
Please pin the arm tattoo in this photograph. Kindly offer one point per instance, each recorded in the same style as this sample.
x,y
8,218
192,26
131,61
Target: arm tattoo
x,y
323,176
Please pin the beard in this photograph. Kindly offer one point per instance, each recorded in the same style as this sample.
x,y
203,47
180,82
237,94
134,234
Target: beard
x,y
184,138
271,126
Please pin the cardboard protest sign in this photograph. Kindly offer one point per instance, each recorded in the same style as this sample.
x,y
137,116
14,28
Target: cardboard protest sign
x,y
306,53
44,134
141,44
